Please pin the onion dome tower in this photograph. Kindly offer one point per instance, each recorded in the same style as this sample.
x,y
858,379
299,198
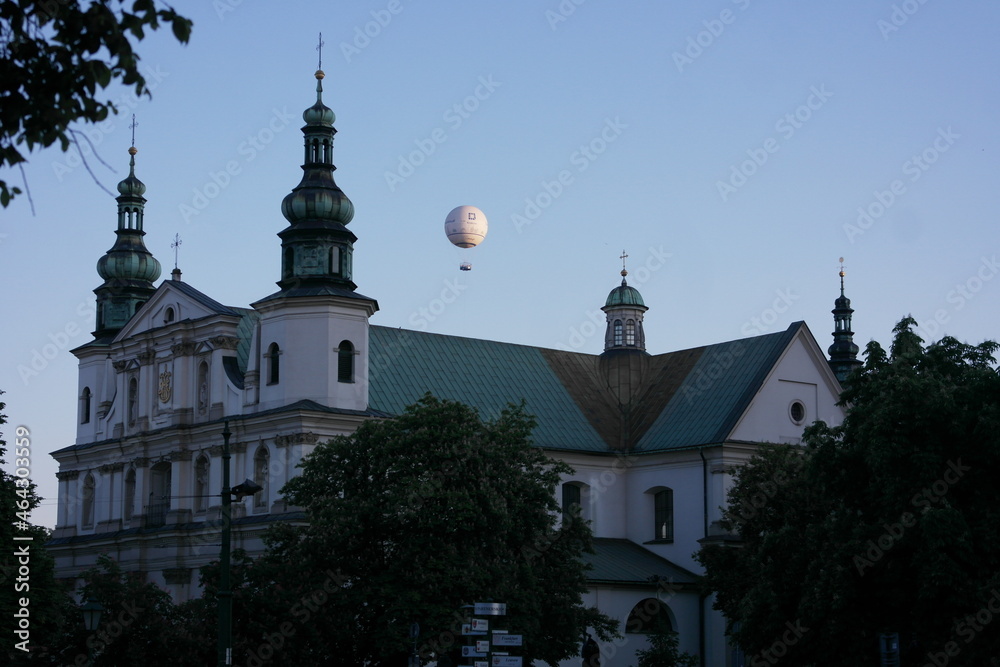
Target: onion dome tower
x,y
317,248
843,352
128,269
624,310
313,332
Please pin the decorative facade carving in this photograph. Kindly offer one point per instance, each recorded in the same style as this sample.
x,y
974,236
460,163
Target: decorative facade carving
x,y
67,475
224,342
166,390
296,439
183,349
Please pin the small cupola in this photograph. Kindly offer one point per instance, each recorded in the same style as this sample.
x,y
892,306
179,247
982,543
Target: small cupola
x,y
624,309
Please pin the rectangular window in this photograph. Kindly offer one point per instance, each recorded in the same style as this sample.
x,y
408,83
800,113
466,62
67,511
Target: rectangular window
x,y
663,511
571,507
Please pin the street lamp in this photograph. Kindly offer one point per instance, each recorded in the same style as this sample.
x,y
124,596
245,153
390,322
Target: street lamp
x,y
225,595
91,610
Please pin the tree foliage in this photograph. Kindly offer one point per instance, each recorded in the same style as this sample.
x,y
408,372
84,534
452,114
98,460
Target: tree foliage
x,y
663,651
887,523
140,624
409,519
56,56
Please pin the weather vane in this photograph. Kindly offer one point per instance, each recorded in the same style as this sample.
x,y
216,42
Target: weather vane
x,y
133,126
320,49
175,245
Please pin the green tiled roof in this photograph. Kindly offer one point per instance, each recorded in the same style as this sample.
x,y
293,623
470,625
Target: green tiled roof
x,y
716,391
404,365
244,330
619,561
688,398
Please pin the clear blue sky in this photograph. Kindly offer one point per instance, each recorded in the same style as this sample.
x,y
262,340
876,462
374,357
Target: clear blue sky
x,y
727,146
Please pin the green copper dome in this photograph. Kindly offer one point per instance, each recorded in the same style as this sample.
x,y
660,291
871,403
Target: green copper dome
x,y
624,295
128,268
316,200
128,264
131,186
319,113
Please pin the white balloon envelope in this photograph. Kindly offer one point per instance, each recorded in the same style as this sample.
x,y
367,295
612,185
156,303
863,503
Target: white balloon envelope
x,y
466,226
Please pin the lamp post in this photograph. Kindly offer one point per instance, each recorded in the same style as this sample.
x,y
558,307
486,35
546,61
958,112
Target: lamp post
x,y
225,595
91,610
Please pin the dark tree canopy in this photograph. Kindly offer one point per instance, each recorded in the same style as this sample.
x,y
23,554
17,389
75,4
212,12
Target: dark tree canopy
x,y
887,524
55,58
411,518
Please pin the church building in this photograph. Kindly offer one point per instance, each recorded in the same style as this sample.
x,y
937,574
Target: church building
x,y
653,438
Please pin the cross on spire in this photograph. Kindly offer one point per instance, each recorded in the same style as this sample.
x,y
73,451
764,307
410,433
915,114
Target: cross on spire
x,y
133,126
623,257
175,245
319,48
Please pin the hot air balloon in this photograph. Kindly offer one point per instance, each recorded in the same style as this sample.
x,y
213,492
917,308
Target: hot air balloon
x,y
466,227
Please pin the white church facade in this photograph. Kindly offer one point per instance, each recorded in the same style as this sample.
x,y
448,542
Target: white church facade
x,y
653,438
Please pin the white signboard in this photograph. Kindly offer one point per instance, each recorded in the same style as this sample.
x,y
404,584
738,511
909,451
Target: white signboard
x,y
506,661
482,645
480,663
480,624
470,629
502,639
490,609
471,652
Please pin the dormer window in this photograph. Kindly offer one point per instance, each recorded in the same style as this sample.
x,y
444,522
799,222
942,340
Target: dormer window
x,y
168,315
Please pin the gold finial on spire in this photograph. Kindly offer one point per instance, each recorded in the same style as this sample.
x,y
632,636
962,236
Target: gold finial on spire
x,y
132,149
623,257
841,276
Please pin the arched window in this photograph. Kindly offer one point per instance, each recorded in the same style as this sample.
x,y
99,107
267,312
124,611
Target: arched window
x,y
201,484
273,356
168,315
261,476
630,332
133,399
345,362
203,397
663,514
85,406
650,615
618,332
128,507
87,500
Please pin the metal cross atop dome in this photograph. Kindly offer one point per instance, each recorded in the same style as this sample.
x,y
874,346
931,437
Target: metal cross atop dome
x,y
133,126
175,245
623,257
319,48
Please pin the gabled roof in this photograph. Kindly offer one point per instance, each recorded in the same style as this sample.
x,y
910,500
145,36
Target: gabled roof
x,y
404,365
200,297
708,402
683,399
620,561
